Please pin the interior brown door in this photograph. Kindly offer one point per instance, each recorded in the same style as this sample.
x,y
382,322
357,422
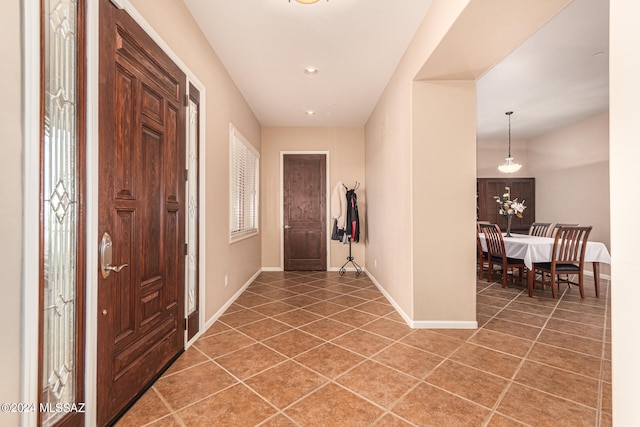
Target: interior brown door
x,y
305,230
141,207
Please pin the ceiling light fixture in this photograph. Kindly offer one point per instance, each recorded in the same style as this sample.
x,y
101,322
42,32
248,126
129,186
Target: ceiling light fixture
x,y
311,71
310,113
509,166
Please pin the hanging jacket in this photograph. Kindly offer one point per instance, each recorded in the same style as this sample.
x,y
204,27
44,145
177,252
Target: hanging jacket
x,y
353,221
339,205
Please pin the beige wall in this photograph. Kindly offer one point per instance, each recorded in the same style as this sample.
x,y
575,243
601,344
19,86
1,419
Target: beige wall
x,y
345,146
624,152
571,167
458,40
388,158
224,104
442,219
11,186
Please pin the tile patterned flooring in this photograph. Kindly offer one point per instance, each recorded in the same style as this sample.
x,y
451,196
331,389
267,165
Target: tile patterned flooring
x,y
317,349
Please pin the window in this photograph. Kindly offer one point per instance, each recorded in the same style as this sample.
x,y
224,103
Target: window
x,y
62,271
244,186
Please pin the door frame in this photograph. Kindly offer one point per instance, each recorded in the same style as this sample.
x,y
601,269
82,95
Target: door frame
x,y
31,208
327,200
31,194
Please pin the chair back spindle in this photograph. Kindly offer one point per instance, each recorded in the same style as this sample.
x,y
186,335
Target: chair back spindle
x,y
539,229
556,226
497,253
493,238
567,258
570,244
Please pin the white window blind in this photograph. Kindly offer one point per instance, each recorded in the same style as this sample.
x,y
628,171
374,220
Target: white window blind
x,y
244,186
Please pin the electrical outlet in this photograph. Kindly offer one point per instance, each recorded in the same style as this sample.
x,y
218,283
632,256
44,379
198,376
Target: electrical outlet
x,y
226,279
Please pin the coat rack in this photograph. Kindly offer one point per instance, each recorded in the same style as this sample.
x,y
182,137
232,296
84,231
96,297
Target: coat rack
x,y
350,258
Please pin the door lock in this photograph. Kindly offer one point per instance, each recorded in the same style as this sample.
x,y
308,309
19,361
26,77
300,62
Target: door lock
x,y
106,256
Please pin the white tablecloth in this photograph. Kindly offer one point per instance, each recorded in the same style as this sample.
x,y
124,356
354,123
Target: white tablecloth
x,y
534,249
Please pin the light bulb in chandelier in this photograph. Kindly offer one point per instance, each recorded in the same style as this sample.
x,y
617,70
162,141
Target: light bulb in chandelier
x,y
509,166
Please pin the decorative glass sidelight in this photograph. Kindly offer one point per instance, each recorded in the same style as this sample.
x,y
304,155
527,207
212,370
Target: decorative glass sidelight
x,y
192,208
59,211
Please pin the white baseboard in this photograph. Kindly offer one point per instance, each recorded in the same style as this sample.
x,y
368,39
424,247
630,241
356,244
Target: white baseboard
x,y
345,269
442,324
395,305
424,324
231,300
420,324
329,269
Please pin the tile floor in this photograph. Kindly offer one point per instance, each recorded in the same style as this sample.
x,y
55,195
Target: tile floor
x,y
317,349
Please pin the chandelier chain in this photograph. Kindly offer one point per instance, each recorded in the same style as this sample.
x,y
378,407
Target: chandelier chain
x,y
509,113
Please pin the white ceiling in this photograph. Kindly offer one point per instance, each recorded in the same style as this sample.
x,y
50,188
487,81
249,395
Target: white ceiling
x,y
552,80
559,76
266,44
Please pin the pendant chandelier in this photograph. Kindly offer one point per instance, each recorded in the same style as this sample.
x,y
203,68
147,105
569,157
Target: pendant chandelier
x,y
509,166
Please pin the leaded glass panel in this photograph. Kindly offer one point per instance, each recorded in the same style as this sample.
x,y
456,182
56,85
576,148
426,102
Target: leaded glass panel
x,y
192,206
60,204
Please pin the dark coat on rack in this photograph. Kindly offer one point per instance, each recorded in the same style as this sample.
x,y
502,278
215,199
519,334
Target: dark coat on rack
x,y
353,221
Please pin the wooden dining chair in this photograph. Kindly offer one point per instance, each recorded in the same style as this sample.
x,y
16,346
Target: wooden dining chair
x,y
539,229
483,256
567,258
498,255
554,230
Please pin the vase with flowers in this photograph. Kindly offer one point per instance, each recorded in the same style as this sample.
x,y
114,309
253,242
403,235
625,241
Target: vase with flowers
x,y
509,208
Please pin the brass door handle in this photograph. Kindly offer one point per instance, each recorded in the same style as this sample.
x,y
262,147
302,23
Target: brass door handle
x,y
115,269
106,256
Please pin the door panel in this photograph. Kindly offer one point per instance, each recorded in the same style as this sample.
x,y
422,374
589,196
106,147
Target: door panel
x,y
141,198
305,238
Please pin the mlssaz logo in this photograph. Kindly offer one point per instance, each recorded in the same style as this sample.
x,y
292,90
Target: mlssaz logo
x,y
62,407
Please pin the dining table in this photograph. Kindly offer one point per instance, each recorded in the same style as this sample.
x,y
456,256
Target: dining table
x,y
536,249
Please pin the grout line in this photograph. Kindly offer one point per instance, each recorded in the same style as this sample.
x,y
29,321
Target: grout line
x,y
515,297
519,367
556,307
365,359
549,317
172,412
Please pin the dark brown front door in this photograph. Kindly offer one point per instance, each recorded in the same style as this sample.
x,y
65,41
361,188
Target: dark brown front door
x,y
141,198
305,230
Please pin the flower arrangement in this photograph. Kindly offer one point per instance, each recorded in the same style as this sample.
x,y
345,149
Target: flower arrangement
x,y
508,207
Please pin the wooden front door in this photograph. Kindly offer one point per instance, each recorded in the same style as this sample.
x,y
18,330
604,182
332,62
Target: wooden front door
x,y
305,230
141,207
